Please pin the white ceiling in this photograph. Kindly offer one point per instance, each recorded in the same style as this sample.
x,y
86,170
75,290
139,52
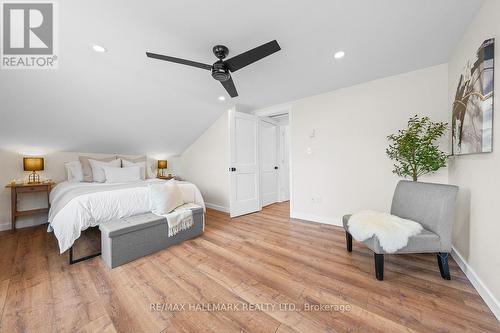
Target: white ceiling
x,y
123,102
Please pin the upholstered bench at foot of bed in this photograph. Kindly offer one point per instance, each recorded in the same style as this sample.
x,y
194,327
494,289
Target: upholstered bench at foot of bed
x,y
134,237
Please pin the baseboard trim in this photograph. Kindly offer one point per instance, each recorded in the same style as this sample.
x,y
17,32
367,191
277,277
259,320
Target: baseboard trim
x,y
217,207
20,225
5,226
316,218
481,288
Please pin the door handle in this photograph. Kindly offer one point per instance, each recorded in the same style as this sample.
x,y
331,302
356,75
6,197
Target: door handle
x,y
232,169
275,168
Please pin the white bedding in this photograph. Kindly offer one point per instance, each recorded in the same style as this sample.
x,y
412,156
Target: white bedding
x,y
78,206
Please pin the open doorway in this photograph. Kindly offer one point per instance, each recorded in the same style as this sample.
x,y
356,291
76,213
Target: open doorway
x,y
259,157
274,159
284,157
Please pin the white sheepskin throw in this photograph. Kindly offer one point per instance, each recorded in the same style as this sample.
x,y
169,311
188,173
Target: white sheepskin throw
x,y
392,232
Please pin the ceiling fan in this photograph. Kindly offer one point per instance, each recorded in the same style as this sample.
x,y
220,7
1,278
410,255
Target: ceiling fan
x,y
222,69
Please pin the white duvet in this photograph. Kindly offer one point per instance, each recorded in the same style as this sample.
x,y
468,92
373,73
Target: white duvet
x,y
78,206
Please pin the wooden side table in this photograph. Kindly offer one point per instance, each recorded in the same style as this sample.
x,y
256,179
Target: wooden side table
x,y
16,189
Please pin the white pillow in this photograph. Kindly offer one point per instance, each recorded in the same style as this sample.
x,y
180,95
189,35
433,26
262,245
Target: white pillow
x,y
149,171
165,197
122,175
98,174
142,165
74,171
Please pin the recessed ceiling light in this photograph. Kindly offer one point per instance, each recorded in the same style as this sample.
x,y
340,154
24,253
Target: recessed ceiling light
x,y
339,55
99,48
222,98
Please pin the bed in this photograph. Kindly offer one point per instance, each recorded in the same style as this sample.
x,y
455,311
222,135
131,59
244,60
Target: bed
x,y
76,206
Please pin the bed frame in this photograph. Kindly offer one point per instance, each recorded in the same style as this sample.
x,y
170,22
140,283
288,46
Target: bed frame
x,y
74,261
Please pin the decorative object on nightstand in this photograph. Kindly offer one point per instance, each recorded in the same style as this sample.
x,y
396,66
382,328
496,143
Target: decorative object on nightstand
x,y
162,165
33,164
16,188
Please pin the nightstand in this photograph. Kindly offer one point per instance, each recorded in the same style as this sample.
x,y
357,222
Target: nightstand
x,y
16,189
165,177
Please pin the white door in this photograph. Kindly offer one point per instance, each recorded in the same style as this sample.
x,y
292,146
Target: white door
x,y
284,170
244,163
269,161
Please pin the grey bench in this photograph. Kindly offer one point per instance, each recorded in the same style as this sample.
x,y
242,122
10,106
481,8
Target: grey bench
x,y
134,237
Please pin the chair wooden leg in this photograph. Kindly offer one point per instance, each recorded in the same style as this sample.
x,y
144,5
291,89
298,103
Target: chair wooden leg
x,y
379,266
348,240
444,269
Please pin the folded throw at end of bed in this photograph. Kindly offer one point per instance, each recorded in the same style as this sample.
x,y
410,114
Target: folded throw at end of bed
x,y
180,219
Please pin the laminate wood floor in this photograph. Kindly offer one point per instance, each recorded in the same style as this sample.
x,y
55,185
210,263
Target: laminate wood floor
x,y
255,273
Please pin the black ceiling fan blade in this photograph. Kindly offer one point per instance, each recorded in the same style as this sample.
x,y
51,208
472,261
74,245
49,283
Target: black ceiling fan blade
x,y
230,88
179,61
251,56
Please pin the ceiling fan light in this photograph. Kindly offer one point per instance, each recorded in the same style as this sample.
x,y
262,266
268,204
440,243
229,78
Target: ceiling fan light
x,y
220,72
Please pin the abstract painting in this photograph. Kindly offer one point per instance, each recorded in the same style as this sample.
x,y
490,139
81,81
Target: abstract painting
x,y
472,120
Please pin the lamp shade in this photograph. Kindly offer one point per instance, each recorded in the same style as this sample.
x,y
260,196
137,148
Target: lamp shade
x,y
162,164
33,163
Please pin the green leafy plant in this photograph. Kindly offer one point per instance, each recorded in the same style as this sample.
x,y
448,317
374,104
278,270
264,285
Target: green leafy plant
x,y
414,149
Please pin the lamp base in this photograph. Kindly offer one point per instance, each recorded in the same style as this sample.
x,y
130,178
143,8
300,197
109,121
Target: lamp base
x,y
34,178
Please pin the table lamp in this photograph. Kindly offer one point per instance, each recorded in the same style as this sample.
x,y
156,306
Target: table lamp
x,y
33,164
162,165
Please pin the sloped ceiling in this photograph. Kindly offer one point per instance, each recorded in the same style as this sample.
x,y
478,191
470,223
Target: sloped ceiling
x,y
123,102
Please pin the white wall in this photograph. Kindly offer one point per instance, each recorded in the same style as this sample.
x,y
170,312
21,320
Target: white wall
x,y
11,167
346,168
205,163
477,226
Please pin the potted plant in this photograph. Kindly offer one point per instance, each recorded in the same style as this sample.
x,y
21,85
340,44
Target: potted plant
x,y
414,149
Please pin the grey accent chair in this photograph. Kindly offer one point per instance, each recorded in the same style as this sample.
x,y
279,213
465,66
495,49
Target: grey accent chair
x,y
433,206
